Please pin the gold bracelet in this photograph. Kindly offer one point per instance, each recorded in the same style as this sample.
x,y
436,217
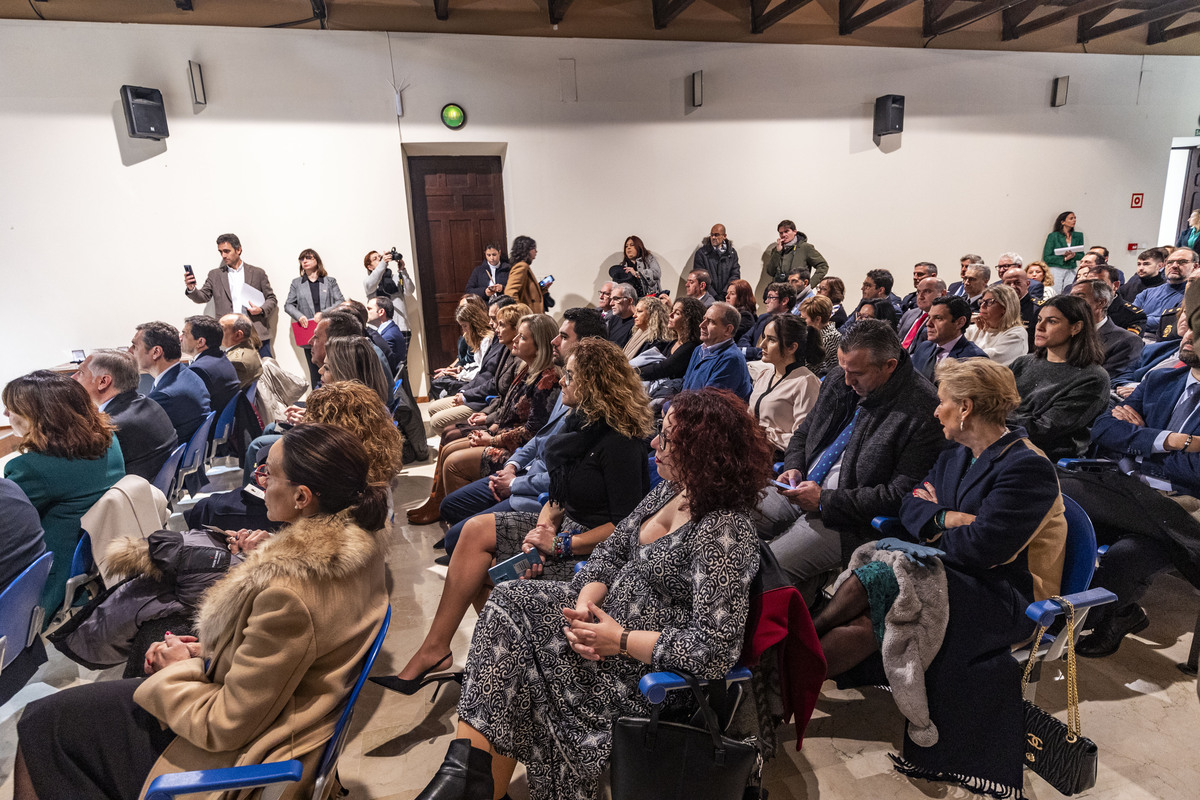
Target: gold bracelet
x,y
624,650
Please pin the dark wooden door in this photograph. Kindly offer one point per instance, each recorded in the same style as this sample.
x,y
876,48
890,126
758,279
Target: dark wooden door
x,y
1191,191
458,207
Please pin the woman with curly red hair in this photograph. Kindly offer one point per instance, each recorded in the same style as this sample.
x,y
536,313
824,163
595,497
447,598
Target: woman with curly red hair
x,y
552,664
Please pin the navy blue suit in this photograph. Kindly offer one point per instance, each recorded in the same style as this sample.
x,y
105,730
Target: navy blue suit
x,y
924,357
146,433
724,367
750,339
219,377
392,334
1152,355
183,395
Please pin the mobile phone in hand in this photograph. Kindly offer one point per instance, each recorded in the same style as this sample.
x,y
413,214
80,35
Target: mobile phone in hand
x,y
188,269
544,282
787,487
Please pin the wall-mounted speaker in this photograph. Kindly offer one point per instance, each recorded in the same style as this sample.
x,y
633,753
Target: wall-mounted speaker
x,y
889,114
145,117
697,82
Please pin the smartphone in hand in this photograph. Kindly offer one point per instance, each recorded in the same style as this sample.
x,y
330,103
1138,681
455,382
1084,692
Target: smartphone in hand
x,y
188,269
546,281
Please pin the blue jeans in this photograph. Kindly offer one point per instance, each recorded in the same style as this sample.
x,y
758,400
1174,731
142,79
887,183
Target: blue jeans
x,y
474,499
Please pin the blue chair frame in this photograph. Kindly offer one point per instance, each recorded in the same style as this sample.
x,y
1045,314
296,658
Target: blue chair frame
x,y
223,427
165,478
20,615
193,457
83,571
166,787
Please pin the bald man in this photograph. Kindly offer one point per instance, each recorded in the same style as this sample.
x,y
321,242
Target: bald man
x,y
717,257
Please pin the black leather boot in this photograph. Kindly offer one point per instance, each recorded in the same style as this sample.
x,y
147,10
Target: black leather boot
x,y
466,774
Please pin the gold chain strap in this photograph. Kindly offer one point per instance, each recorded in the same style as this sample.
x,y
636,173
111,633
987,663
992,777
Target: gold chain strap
x,y
1074,728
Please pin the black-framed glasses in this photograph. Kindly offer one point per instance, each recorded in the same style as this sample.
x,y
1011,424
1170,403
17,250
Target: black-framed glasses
x,y
568,377
664,441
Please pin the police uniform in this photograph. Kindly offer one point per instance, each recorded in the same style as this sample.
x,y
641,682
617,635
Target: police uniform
x,y
1126,315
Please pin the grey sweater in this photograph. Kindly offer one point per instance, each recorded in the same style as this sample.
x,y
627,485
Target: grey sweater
x,y
1059,402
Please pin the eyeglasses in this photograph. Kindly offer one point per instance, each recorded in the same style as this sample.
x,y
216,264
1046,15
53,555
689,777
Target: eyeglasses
x,y
988,303
1180,261
664,442
772,297
262,473
568,377
606,294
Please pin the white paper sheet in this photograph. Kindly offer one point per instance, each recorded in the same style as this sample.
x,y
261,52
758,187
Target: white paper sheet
x,y
1062,251
251,296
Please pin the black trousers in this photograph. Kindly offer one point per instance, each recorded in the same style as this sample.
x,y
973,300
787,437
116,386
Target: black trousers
x,y
1146,532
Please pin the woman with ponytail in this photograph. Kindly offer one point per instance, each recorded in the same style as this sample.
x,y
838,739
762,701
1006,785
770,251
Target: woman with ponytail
x,y
783,396
281,640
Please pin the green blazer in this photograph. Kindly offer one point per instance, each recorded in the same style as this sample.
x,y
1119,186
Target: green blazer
x,y
1056,240
62,490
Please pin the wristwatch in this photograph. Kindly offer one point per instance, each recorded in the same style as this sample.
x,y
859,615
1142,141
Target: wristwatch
x,y
624,647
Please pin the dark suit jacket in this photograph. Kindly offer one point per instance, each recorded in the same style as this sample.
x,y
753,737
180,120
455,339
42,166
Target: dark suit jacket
x,y
956,288
385,347
20,536
750,339
392,334
924,357
145,432
183,395
219,376
1122,349
619,330
1151,356
1154,400
1029,315
894,444
906,322
478,282
216,288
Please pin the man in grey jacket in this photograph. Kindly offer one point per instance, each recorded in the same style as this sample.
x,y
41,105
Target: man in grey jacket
x,y
871,437
224,287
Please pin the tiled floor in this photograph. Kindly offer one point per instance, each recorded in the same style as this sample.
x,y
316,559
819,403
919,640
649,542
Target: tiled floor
x,y
1140,710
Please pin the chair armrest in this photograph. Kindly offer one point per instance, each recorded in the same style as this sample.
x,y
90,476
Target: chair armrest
x,y
889,526
543,498
655,685
777,467
1044,612
169,786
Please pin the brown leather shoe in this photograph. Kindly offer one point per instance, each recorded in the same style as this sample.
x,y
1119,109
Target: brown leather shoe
x,y
428,513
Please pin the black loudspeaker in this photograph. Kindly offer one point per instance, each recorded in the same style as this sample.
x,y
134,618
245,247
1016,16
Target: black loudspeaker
x,y
889,114
145,116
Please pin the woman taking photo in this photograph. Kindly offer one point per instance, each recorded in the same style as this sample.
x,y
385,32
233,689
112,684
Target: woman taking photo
x,y
281,641
1063,235
740,295
999,330
1038,271
523,286
496,373
598,475
783,396
817,313
523,411
835,290
684,323
650,324
69,458
639,605
1062,383
639,268
992,508
351,358
313,293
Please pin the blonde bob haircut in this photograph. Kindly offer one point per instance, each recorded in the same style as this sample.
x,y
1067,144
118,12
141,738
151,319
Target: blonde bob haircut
x,y
609,389
513,313
989,386
542,330
357,409
1008,299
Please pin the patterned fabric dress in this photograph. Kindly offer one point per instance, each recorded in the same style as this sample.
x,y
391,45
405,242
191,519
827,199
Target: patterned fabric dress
x,y
539,702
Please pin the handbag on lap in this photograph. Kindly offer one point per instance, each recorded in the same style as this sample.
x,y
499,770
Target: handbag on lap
x,y
1058,751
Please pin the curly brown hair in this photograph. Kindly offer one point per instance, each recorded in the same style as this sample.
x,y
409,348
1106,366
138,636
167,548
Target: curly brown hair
x,y
357,409
63,422
609,389
719,453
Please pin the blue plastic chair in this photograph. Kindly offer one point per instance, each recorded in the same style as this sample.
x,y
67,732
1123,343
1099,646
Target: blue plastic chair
x,y
83,571
166,473
165,787
193,457
20,615
223,427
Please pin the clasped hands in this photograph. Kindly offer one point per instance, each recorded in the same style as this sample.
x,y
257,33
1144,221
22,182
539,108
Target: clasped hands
x,y
170,650
592,640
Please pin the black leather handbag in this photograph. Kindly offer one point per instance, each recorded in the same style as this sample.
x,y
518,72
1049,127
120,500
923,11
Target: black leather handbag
x,y
653,760
1058,751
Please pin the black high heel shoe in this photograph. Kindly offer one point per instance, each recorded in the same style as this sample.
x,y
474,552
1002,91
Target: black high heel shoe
x,y
466,774
410,686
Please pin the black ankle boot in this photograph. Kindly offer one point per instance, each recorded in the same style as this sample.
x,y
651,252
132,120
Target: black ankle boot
x,y
466,774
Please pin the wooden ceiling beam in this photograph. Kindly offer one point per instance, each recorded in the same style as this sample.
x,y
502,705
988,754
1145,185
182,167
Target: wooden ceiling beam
x,y
441,9
558,10
667,10
1101,7
985,8
761,18
1014,16
1094,31
849,21
1160,33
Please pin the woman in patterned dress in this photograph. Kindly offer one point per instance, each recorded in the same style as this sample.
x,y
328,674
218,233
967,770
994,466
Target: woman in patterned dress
x,y
553,663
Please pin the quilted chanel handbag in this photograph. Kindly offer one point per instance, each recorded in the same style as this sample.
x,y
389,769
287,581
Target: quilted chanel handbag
x,y
654,760
1056,750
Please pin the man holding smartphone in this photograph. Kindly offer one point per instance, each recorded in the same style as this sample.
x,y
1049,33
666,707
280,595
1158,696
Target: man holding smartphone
x,y
224,286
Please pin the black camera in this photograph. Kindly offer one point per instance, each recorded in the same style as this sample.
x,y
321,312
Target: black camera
x,y
395,254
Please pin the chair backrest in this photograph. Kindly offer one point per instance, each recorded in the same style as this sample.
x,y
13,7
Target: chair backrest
x,y
193,455
334,747
1080,560
224,424
166,474
19,617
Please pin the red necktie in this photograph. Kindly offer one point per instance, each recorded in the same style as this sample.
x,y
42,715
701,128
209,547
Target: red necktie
x,y
912,332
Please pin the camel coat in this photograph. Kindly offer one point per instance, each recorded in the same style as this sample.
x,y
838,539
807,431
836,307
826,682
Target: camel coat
x,y
284,636
523,287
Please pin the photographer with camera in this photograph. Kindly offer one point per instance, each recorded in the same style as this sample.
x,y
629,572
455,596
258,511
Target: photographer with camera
x,y
380,282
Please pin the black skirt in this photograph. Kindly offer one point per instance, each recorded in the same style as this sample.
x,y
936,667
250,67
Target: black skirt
x,y
91,742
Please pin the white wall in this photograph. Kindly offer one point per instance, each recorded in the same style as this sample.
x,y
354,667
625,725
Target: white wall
x,y
300,147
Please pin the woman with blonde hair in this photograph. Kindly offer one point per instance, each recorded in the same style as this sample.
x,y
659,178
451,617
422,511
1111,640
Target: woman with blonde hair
x,y
999,330
598,474
522,412
356,408
1038,271
351,358
649,325
817,311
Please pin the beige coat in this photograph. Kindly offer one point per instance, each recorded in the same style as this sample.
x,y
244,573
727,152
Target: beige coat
x,y
284,635
523,287
784,407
